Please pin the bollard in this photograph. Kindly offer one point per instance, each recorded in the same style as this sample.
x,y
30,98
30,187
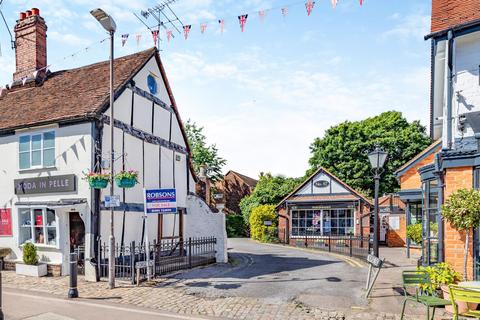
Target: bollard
x,y
73,291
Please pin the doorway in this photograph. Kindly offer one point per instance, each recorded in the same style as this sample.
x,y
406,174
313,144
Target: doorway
x,y
77,238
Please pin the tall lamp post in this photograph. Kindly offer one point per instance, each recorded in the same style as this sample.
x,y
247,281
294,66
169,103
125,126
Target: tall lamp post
x,y
377,159
109,25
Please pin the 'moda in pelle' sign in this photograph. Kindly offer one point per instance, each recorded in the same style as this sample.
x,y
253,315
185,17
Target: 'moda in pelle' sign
x,y
161,201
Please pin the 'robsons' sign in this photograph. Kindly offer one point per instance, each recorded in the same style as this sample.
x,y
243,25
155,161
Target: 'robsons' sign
x,y
53,184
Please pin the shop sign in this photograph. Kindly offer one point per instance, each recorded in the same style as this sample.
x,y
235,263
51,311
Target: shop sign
x,y
6,222
321,183
160,201
53,184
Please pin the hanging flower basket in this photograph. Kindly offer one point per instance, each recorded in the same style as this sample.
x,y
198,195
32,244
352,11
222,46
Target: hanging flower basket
x,y
97,180
126,179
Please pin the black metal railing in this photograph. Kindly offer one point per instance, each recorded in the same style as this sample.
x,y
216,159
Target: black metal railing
x,y
166,256
349,245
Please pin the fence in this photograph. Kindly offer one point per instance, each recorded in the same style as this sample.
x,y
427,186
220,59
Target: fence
x,y
353,246
167,256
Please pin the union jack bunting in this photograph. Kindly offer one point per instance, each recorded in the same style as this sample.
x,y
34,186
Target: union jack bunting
x,y
138,37
203,27
334,3
243,21
285,11
262,14
186,31
169,35
155,37
124,39
361,3
309,6
221,22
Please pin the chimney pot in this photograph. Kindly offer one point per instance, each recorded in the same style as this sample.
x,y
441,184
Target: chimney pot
x,y
35,11
23,15
29,13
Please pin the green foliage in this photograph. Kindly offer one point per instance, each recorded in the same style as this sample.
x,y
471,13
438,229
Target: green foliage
x,y
440,274
462,209
203,154
344,148
269,190
94,176
30,256
270,235
414,232
130,174
235,226
260,214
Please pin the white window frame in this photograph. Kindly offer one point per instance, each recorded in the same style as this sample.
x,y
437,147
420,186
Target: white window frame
x,y
32,227
42,149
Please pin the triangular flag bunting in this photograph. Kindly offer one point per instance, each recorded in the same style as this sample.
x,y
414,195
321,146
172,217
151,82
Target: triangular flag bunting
x,y
262,14
35,73
169,35
124,39
285,11
24,80
221,22
334,3
309,6
203,27
155,37
186,31
138,37
361,3
243,21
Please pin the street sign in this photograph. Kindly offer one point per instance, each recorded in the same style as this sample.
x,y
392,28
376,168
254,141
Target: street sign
x,y
374,261
160,201
112,202
377,263
267,223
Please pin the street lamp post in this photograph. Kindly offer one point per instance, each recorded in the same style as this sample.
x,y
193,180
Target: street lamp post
x,y
377,159
109,25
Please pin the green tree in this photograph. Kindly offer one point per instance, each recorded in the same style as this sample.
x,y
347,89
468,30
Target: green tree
x,y
270,189
344,149
203,154
258,230
462,210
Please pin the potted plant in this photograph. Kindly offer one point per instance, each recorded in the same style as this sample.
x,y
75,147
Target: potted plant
x,y
30,265
97,180
126,179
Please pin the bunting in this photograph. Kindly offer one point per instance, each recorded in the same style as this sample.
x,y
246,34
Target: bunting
x,y
243,21
155,37
169,35
334,3
309,6
285,11
186,31
124,39
138,37
262,14
222,25
361,3
203,28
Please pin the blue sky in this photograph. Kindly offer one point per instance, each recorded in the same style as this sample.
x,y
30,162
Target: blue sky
x,y
265,94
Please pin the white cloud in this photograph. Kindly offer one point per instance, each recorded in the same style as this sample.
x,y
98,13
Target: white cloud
x,y
68,38
407,27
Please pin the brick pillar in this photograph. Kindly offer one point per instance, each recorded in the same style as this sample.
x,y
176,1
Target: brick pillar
x,y
31,44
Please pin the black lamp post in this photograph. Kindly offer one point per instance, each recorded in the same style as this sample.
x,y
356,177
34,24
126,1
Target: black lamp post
x,y
377,159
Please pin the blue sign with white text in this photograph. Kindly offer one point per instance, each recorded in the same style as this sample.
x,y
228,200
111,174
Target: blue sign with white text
x,y
160,201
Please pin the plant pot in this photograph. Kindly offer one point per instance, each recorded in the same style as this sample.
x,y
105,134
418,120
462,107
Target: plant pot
x,y
98,183
38,270
462,306
126,182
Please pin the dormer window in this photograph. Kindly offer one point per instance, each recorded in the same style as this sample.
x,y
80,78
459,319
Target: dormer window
x,y
37,150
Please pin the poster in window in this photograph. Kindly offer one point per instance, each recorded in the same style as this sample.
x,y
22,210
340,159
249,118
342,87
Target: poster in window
x,y
5,222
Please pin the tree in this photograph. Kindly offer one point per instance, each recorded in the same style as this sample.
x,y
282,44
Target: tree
x,y
462,210
269,190
344,148
260,214
203,154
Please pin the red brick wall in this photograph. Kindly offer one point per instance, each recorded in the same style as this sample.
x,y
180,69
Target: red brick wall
x,y
449,13
397,238
411,179
458,178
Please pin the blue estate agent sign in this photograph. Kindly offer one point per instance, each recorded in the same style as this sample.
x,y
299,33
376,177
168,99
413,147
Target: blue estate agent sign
x,y
160,201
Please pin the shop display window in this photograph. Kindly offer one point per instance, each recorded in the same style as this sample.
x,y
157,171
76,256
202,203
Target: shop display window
x,y
323,222
38,226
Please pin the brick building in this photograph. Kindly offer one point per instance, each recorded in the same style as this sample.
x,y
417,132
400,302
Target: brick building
x,y
453,162
323,205
392,220
229,191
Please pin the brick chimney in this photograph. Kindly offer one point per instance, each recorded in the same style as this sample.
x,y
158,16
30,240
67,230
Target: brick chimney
x,y
31,44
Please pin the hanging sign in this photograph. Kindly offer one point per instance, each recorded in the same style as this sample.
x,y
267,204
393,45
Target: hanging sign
x,y
5,223
160,201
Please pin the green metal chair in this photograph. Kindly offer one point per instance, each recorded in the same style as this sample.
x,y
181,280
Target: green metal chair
x,y
464,294
413,279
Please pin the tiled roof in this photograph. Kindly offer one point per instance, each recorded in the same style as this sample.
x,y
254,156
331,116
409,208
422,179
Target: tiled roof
x,y
450,13
67,95
249,181
431,148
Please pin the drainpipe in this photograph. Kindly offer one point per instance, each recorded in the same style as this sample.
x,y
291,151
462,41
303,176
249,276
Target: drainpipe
x,y
449,86
408,222
441,187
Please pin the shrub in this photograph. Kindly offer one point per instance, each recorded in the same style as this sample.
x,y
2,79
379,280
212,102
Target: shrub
x,y
235,226
414,233
270,235
440,274
30,254
260,214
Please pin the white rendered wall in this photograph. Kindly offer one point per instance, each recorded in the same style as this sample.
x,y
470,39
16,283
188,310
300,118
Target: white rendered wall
x,y
333,186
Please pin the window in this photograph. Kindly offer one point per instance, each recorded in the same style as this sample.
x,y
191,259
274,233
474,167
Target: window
x,y
322,222
38,226
37,150
430,222
415,212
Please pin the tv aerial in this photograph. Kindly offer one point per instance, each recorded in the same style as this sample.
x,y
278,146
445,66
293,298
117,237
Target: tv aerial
x,y
12,41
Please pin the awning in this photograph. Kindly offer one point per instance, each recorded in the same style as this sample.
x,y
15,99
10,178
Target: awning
x,y
59,203
410,195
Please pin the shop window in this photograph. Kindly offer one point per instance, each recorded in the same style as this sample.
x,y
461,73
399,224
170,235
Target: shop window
x,y
38,226
322,222
430,222
37,150
415,212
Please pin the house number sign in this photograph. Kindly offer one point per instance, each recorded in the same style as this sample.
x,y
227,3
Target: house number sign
x,y
321,183
53,184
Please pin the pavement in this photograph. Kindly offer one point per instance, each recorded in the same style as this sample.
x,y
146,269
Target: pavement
x,y
261,282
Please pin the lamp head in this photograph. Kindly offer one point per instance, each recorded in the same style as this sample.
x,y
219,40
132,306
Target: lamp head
x,y
105,20
377,158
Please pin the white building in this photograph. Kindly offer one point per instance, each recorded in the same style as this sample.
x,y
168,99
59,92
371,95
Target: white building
x,y
55,127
